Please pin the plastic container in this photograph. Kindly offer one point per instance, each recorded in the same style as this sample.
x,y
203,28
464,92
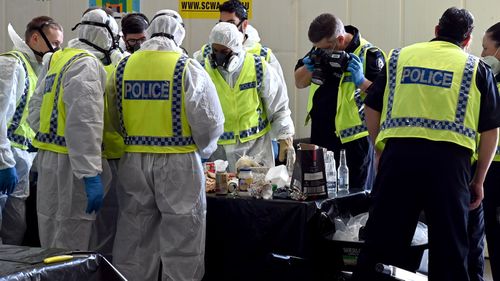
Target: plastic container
x,y
245,178
331,175
221,177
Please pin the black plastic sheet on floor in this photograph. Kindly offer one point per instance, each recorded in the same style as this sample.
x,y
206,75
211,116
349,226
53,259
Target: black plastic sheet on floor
x,y
25,264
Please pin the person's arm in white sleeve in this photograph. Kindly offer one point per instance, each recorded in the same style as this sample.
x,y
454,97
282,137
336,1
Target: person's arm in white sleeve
x,y
84,85
36,99
203,109
198,56
11,82
275,98
275,64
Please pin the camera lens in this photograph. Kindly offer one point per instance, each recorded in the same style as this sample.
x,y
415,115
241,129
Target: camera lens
x,y
318,77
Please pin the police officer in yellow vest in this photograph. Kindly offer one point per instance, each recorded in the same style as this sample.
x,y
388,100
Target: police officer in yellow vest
x,y
425,112
254,102
484,219
66,112
19,69
336,107
167,110
233,11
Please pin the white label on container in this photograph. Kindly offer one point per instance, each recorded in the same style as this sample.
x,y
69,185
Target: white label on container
x,y
313,176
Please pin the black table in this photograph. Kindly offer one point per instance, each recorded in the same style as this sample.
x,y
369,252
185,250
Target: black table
x,y
243,234
26,264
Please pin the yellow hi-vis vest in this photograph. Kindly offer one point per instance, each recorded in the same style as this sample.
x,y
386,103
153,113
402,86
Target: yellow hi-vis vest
x,y
244,113
431,93
53,111
350,117
113,145
257,49
19,132
150,87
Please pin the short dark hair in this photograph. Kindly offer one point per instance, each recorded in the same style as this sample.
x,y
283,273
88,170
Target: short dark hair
x,y
494,33
324,26
134,23
456,24
39,24
234,6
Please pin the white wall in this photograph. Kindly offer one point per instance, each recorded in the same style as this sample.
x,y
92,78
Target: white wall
x,y
283,26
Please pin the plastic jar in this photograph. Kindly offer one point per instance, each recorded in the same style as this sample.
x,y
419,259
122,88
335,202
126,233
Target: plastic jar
x,y
246,178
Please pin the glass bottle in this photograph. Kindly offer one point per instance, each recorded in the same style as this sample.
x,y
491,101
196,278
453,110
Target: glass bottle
x,y
343,174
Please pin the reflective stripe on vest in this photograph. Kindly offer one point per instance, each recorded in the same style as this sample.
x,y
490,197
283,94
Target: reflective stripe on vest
x,y
177,139
456,126
52,137
113,146
18,120
262,125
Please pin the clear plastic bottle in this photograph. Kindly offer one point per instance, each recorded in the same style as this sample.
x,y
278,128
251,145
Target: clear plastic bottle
x,y
331,175
343,174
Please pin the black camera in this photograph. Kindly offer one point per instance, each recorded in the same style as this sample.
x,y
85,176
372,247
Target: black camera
x,y
328,62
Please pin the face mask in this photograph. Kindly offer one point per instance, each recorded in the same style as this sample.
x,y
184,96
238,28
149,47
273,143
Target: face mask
x,y
47,42
493,62
133,48
227,61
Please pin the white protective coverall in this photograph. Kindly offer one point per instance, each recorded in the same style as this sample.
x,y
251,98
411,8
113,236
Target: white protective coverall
x,y
162,203
12,86
273,95
61,195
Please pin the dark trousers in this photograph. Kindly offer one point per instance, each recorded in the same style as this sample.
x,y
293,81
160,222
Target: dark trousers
x,y
491,205
416,175
476,244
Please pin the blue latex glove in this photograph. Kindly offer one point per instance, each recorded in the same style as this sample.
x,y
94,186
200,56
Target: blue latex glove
x,y
308,63
95,193
8,180
355,67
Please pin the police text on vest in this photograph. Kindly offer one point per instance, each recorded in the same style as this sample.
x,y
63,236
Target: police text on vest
x,y
147,90
427,76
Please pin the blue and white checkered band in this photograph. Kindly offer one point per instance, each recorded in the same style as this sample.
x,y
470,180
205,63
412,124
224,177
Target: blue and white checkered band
x,y
362,54
359,128
52,136
207,50
18,113
259,70
119,89
456,126
264,51
177,139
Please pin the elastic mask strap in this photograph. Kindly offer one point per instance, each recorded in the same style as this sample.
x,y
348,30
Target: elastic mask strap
x,y
163,34
166,14
107,57
99,24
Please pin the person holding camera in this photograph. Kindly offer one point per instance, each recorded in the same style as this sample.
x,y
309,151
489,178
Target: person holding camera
x,y
425,114
338,69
